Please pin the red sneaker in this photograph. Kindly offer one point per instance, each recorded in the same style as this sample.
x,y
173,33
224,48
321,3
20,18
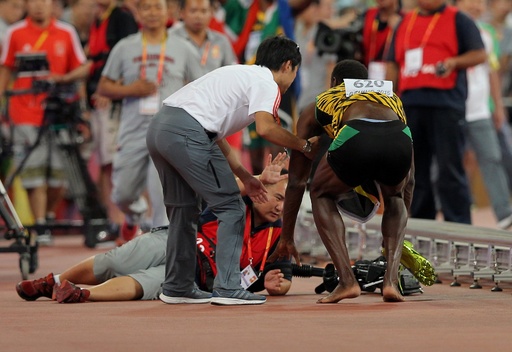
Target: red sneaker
x,y
128,232
68,292
30,290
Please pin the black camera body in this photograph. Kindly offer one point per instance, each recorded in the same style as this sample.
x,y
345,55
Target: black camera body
x,y
31,64
62,103
344,42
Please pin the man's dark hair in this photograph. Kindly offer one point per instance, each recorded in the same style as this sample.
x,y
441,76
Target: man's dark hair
x,y
273,52
349,69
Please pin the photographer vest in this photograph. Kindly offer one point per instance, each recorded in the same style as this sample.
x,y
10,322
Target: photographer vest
x,y
437,35
258,243
375,38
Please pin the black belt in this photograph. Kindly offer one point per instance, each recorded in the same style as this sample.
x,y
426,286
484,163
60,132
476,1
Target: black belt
x,y
211,135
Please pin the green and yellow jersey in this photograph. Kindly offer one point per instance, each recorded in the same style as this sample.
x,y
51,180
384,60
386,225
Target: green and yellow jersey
x,y
332,104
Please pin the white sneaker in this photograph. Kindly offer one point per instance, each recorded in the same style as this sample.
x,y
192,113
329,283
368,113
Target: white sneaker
x,y
236,297
196,296
505,223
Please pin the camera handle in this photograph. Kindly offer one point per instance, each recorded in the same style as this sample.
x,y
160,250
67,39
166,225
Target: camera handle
x,y
329,275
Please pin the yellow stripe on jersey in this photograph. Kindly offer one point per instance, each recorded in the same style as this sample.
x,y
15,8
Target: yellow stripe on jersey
x,y
332,104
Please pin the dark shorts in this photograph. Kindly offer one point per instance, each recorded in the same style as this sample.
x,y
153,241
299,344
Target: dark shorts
x,y
365,151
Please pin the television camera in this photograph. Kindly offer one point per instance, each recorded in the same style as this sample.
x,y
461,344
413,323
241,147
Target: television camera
x,y
62,116
344,42
61,105
369,276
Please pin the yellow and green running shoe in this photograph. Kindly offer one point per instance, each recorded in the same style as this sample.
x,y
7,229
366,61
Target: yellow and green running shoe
x,y
417,264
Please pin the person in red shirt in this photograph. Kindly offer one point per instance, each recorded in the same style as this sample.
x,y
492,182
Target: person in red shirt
x,y
39,33
379,24
136,270
429,54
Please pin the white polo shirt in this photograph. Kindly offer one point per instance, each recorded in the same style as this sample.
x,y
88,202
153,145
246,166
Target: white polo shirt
x,y
479,88
225,100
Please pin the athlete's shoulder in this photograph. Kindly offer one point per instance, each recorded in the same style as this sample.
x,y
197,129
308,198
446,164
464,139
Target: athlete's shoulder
x,y
335,92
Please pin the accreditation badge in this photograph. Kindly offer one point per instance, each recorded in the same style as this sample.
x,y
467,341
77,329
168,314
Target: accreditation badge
x,y
149,105
377,70
413,61
248,277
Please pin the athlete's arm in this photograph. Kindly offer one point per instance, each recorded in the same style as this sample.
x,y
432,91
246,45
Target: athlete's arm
x,y
299,171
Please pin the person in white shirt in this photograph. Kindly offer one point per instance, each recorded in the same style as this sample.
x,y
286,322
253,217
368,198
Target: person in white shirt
x,y
481,123
186,140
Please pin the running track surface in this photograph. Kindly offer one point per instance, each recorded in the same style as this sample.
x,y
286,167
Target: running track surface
x,y
443,318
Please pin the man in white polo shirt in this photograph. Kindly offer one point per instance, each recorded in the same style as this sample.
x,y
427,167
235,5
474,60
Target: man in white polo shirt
x,y
186,140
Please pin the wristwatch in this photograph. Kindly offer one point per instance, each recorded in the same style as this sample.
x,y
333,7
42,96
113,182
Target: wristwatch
x,y
307,147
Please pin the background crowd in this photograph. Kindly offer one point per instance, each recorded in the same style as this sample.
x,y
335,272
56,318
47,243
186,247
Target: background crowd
x,y
125,55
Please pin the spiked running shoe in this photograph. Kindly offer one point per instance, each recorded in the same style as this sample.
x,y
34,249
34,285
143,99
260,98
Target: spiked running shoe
x,y
30,290
196,296
418,265
68,292
236,297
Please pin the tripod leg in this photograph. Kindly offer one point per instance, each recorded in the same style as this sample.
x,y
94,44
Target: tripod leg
x,y
83,190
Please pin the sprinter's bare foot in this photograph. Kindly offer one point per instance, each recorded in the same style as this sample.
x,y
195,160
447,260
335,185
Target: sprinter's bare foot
x,y
391,294
340,293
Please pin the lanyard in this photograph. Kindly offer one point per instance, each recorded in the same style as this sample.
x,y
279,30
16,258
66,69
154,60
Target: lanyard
x,y
206,53
373,41
267,248
107,13
428,32
161,60
40,41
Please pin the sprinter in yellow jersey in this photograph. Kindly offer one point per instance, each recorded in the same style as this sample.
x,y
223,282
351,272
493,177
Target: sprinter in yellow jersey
x,y
371,150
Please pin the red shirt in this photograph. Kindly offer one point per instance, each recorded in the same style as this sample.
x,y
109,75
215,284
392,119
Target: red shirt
x,y
258,237
64,53
375,39
437,34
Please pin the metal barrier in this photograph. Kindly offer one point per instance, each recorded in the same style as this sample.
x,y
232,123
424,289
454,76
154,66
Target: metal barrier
x,y
458,249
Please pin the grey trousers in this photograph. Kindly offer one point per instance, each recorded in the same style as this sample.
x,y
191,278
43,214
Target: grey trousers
x,y
133,171
192,168
483,139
